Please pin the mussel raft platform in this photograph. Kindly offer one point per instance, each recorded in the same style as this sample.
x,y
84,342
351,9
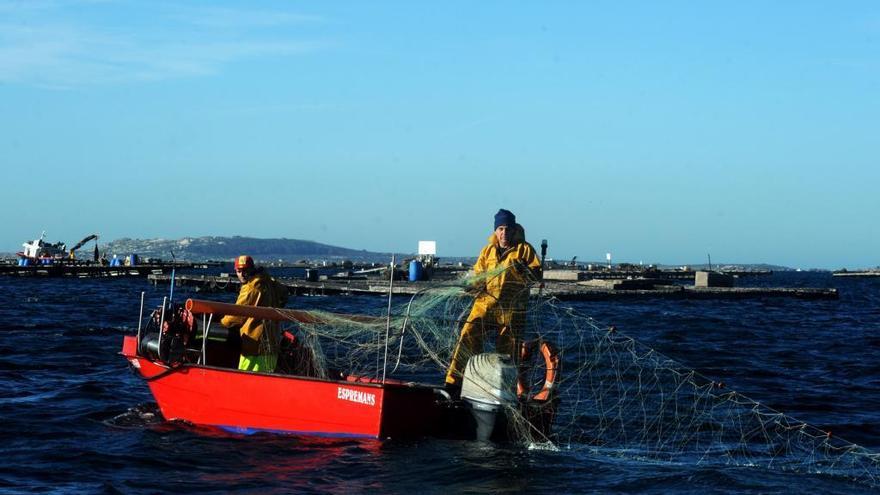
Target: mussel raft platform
x,y
571,291
860,273
83,270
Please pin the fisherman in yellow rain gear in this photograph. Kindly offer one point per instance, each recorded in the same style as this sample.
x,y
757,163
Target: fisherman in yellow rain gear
x,y
259,338
507,266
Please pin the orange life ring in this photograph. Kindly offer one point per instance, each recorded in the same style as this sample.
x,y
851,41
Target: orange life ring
x,y
551,367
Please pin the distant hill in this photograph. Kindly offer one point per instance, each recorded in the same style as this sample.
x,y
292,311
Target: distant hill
x,y
220,248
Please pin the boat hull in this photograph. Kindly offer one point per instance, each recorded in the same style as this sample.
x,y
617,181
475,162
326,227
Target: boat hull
x,y
247,402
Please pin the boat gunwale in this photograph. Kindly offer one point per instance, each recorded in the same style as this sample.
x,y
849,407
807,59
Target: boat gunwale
x,y
172,369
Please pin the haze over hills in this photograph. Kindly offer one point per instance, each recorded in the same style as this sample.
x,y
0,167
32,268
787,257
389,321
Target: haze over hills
x,y
220,248
224,248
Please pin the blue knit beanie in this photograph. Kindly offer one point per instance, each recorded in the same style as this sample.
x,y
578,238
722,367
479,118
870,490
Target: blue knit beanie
x,y
505,217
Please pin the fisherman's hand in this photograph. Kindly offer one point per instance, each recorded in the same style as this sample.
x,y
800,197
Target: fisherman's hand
x,y
521,271
473,290
520,268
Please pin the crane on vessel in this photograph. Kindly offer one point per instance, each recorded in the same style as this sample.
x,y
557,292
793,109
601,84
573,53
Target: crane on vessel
x,y
80,244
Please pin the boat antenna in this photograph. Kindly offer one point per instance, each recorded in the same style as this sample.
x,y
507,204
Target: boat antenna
x,y
173,266
387,320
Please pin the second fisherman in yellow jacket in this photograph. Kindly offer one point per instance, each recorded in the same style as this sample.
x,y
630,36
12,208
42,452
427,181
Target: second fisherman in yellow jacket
x,y
259,338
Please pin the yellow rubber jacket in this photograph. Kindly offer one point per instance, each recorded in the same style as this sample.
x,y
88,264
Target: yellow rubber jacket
x,y
506,274
258,337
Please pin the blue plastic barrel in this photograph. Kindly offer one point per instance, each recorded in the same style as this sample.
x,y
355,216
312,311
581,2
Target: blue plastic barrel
x,y
415,270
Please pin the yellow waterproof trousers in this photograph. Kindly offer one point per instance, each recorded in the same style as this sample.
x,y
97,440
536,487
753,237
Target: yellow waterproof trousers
x,y
261,362
482,322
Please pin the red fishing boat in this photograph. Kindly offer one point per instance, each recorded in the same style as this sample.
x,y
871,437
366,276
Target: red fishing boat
x,y
194,380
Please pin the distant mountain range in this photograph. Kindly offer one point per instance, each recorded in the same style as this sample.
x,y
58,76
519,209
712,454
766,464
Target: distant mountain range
x,y
224,248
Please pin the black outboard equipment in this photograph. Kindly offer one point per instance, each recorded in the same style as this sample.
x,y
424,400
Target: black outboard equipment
x,y
177,331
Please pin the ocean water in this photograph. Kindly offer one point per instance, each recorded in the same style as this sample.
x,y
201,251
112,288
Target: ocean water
x,y
75,419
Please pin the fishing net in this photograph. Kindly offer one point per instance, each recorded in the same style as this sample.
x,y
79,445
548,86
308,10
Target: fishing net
x,y
613,396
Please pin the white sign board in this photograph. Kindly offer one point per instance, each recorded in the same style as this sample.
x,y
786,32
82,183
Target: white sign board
x,y
428,247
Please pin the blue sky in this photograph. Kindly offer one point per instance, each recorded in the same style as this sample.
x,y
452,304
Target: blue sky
x,y
658,131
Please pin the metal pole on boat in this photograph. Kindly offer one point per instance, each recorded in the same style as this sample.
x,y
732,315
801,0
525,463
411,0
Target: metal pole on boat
x,y
173,268
204,337
140,321
171,294
388,319
161,324
543,255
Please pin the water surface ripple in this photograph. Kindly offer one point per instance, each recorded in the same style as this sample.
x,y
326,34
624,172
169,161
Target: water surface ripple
x,y
74,419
